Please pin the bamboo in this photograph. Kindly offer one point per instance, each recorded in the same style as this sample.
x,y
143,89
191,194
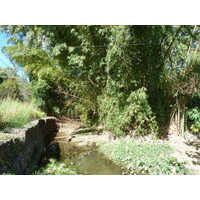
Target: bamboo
x,y
189,49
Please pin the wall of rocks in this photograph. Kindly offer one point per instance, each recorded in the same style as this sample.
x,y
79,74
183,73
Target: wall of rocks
x,y
21,153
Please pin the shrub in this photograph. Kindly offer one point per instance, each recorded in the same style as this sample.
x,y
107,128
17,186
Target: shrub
x,y
194,115
45,89
15,114
12,85
9,88
134,114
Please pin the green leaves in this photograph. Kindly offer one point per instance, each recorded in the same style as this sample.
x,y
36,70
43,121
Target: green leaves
x,y
135,114
45,89
144,158
100,72
11,85
194,115
55,168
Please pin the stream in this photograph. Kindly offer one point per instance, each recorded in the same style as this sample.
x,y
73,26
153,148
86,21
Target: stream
x,y
86,159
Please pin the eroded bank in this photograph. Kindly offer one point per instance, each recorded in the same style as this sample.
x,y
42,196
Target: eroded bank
x,y
22,149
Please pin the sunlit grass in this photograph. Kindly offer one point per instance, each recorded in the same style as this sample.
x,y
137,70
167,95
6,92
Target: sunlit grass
x,y
15,114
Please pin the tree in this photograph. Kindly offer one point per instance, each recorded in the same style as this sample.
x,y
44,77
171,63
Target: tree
x,y
9,85
100,73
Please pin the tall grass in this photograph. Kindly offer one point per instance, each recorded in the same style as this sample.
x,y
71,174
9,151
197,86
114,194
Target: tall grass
x,y
15,114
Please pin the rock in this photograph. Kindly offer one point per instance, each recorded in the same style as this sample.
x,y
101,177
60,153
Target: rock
x,y
70,138
26,148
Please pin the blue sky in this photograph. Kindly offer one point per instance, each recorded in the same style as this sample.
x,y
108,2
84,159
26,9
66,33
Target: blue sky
x,y
4,61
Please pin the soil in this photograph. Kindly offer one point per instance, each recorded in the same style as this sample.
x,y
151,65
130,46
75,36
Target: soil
x,y
74,131
186,151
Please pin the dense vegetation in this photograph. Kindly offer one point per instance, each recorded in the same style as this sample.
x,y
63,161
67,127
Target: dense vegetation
x,y
16,108
132,79
13,86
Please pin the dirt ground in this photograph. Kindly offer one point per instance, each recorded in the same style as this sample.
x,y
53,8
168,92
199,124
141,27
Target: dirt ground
x,y
184,150
72,130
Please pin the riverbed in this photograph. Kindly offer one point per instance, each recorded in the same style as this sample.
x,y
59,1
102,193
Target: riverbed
x,y
85,159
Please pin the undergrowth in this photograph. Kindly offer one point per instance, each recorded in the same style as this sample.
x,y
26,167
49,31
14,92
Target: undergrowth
x,y
55,168
15,114
194,116
144,158
123,116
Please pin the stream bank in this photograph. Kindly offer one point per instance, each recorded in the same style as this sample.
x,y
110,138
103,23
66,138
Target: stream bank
x,y
21,149
89,150
75,146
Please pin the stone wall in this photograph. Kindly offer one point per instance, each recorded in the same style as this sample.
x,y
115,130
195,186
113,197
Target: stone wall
x,y
22,153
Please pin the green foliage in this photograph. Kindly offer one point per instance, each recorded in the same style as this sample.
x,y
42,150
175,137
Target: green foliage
x,y
125,106
135,114
78,70
144,158
44,89
83,113
15,114
13,86
194,115
1,122
55,168
9,86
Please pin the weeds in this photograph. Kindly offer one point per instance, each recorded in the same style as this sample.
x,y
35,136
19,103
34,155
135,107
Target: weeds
x,y
144,158
15,114
55,168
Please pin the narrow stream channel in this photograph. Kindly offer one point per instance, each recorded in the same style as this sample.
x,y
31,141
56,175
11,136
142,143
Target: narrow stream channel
x,y
85,159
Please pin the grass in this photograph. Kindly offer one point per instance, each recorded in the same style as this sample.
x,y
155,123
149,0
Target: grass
x,y
144,158
55,168
15,114
5,136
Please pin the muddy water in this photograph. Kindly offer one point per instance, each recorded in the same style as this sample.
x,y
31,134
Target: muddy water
x,y
85,159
